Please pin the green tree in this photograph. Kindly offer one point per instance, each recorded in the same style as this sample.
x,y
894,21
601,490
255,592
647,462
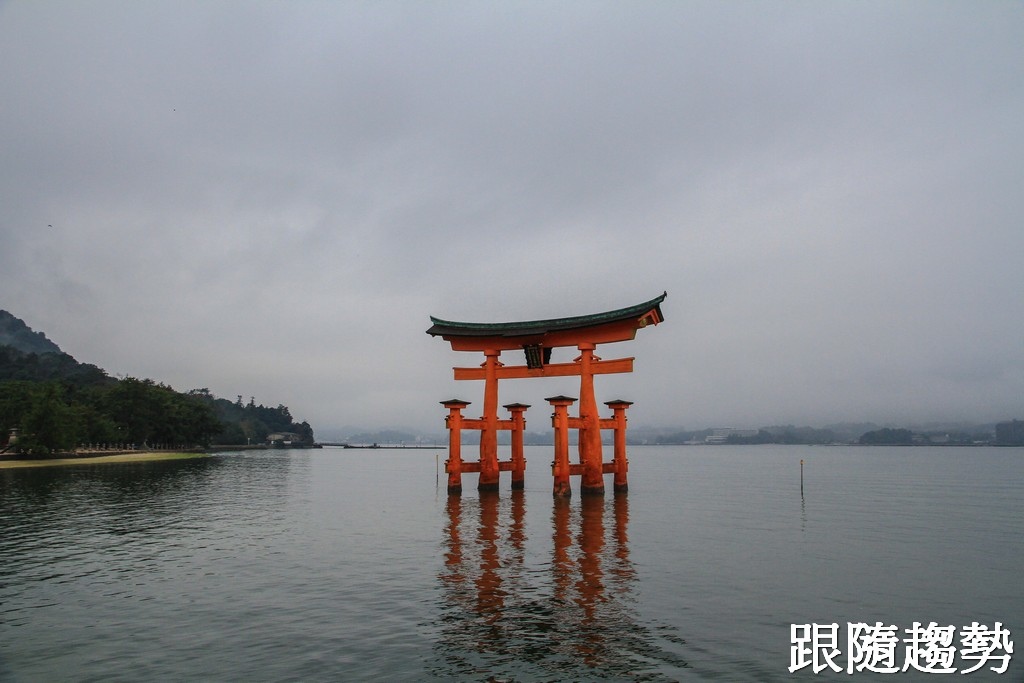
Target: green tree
x,y
49,425
148,413
135,408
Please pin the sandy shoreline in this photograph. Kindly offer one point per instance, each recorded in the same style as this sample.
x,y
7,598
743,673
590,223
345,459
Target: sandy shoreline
x,y
140,456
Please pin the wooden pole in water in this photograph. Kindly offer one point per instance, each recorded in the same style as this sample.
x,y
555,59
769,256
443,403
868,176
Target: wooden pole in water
x,y
801,476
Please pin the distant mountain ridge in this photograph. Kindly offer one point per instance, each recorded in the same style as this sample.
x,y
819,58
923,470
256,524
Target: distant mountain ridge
x,y
15,333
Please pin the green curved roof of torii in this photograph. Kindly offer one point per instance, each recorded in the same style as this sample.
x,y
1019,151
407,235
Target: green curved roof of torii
x,y
537,327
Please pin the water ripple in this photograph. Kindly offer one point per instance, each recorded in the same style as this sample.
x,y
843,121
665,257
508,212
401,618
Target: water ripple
x,y
321,566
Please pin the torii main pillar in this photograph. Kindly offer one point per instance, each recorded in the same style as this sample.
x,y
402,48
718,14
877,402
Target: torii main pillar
x,y
536,339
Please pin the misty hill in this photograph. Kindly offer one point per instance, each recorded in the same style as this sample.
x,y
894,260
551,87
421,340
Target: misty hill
x,y
58,403
17,335
28,356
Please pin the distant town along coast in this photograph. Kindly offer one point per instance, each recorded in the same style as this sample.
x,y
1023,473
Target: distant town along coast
x,y
1009,433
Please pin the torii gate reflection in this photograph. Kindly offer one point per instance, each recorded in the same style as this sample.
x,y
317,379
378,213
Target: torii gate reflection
x,y
507,616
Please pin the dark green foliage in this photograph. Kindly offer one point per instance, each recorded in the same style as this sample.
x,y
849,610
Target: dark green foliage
x,y
49,425
54,417
15,400
58,403
250,423
147,413
45,367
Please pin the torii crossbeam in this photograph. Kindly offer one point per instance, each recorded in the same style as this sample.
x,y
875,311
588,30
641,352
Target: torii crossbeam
x,y
536,339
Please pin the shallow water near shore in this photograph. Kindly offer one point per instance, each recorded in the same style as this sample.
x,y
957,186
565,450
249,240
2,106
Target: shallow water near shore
x,y
339,565
97,458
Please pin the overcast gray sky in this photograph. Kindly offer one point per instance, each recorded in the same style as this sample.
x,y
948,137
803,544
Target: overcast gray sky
x,y
271,198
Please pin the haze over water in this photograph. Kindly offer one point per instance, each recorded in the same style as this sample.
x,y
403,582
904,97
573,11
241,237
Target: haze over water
x,y
355,565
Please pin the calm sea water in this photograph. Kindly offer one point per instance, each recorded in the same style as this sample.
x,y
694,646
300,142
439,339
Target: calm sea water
x,y
349,565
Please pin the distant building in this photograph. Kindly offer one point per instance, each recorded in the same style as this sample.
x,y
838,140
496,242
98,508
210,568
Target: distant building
x,y
284,439
722,434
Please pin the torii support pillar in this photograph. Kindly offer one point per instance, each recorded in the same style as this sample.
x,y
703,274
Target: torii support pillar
x,y
592,481
560,468
453,465
518,461
489,471
620,463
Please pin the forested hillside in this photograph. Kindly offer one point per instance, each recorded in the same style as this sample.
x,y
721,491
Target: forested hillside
x,y
58,404
16,334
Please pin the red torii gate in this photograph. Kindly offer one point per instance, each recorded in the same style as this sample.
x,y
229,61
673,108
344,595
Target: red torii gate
x,y
537,338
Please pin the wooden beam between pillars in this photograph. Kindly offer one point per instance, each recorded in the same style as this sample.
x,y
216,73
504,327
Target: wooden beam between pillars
x,y
597,367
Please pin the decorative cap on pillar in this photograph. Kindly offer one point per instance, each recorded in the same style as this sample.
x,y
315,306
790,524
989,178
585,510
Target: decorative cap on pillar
x,y
561,400
455,403
513,406
618,403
